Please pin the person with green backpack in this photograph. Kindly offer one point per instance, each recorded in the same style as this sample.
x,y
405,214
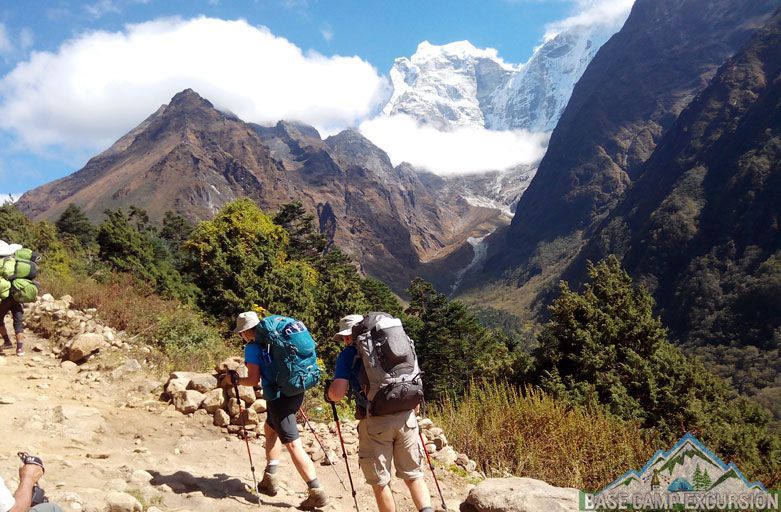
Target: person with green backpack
x,y
280,355
13,293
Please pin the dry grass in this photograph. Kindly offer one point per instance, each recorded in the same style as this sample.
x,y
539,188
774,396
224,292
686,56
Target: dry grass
x,y
123,302
184,338
531,434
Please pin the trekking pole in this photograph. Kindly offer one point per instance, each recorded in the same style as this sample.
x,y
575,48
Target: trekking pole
x,y
327,458
344,454
431,466
245,436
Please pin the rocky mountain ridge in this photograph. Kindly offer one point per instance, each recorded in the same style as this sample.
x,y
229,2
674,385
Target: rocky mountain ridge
x,y
191,158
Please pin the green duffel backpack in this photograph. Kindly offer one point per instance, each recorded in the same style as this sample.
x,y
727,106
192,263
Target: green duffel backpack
x,y
21,265
24,290
8,267
27,254
5,289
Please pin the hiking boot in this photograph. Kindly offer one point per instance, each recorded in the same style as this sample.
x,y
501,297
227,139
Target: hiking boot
x,y
19,349
316,499
269,485
7,345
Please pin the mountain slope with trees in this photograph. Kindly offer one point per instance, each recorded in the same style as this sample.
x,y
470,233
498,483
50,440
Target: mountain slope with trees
x,y
628,97
700,227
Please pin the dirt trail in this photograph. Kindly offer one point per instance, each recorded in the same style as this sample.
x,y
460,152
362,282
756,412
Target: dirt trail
x,y
97,434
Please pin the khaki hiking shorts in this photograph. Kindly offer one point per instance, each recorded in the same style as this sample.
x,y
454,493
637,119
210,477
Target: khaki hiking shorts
x,y
390,438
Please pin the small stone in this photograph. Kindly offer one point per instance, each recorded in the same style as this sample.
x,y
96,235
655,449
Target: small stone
x,y
247,394
140,476
425,423
7,400
202,382
175,386
440,441
233,408
188,401
221,418
213,400
122,502
248,417
259,406
232,363
68,365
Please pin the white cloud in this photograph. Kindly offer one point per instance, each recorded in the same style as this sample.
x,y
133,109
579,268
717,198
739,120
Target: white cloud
x,y
462,151
26,38
588,13
100,8
327,32
99,85
5,41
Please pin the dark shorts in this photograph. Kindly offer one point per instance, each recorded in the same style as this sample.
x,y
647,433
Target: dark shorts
x,y
281,416
17,311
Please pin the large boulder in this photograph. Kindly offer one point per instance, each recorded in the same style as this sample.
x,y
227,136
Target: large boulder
x,y
520,495
83,345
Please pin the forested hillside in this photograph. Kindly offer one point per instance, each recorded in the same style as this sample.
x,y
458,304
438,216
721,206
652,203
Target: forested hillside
x,y
700,227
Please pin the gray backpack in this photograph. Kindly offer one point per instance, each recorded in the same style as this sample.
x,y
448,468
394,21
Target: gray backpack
x,y
390,377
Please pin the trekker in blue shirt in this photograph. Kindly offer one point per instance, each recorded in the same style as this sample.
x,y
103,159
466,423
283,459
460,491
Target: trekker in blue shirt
x,y
280,427
381,439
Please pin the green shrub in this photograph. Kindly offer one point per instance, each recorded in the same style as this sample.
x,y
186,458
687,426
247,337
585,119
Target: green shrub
x,y
189,342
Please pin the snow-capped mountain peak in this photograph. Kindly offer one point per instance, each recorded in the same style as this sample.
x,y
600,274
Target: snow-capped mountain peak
x,y
445,86
458,85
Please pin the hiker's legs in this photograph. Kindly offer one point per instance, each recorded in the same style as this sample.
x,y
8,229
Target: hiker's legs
x,y
17,314
419,492
408,458
5,308
302,461
273,446
384,497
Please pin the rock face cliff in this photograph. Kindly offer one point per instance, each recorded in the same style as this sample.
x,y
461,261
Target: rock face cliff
x,y
627,99
191,158
700,226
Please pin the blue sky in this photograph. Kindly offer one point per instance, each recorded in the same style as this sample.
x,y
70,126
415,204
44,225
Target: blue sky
x,y
50,126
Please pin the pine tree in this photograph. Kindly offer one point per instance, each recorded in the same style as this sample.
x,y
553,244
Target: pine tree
x,y
697,479
74,222
305,241
453,347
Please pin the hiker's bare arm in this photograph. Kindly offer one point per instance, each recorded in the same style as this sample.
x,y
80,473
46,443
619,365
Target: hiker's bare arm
x,y
338,389
29,474
253,376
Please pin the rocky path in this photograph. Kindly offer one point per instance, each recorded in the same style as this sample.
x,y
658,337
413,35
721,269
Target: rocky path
x,y
110,444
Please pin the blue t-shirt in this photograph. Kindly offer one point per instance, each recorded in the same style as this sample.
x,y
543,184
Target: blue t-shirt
x,y
258,353
348,366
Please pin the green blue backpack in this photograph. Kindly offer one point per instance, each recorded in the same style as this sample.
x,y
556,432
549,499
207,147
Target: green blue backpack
x,y
293,356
